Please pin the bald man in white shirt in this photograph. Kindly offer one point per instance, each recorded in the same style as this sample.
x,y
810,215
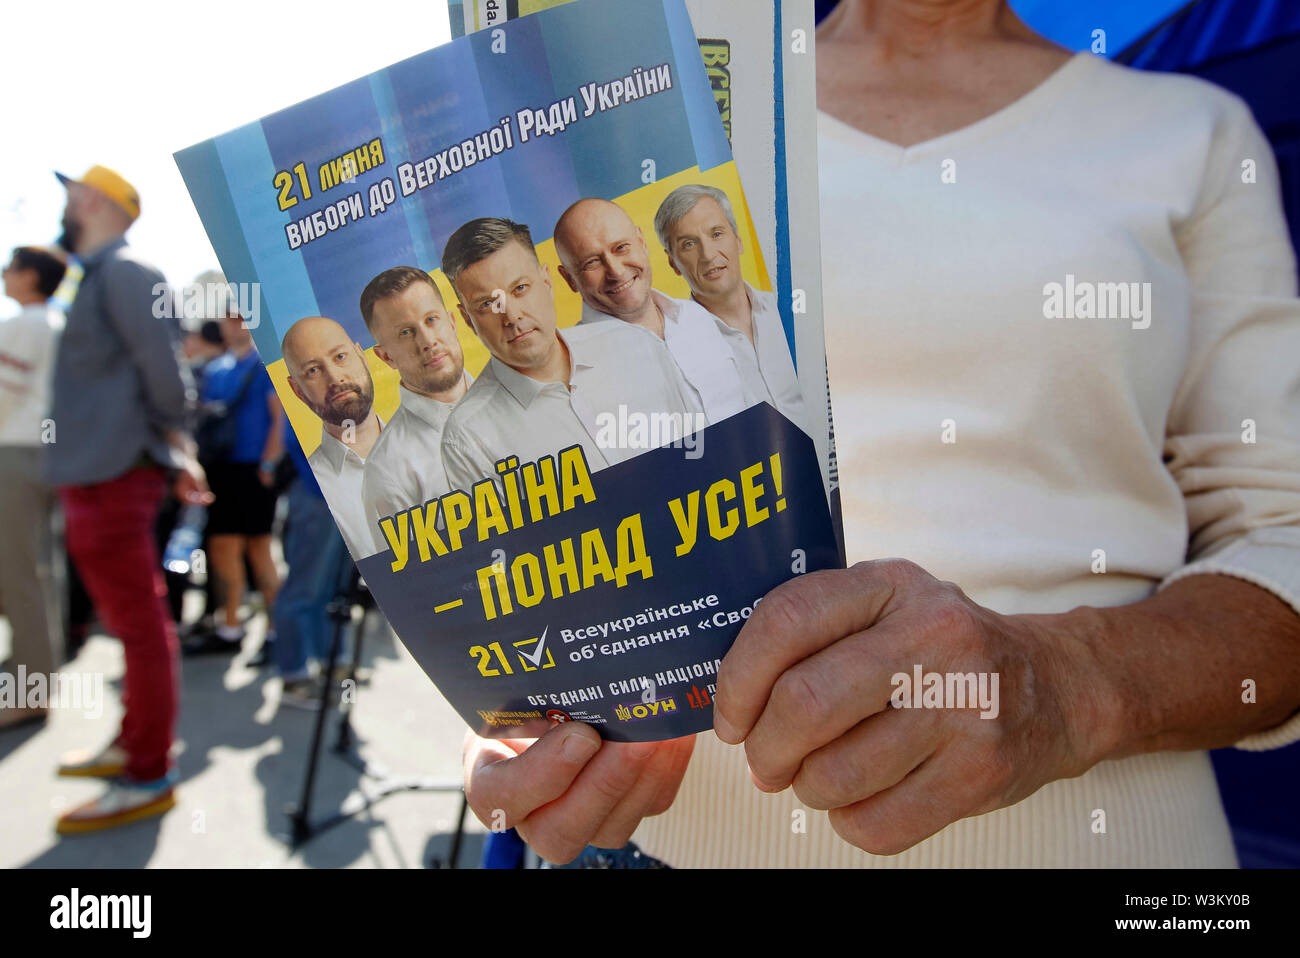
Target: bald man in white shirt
x,y
603,258
546,389
328,372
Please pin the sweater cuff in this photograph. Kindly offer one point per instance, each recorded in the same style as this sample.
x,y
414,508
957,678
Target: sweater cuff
x,y
1269,558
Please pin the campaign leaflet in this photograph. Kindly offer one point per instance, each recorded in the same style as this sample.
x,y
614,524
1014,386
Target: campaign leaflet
x,y
759,58
565,480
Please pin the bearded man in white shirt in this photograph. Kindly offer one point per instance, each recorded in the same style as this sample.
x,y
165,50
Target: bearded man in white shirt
x,y
328,372
697,228
603,258
547,389
415,334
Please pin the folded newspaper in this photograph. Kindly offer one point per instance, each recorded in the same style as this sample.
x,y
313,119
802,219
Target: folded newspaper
x,y
525,325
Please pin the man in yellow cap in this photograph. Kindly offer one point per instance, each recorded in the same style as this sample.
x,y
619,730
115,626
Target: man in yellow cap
x,y
98,184
119,407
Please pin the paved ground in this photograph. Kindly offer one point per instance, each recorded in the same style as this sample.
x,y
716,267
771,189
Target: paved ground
x,y
241,760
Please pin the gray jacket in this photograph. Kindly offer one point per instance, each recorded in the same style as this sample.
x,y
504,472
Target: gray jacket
x,y
117,385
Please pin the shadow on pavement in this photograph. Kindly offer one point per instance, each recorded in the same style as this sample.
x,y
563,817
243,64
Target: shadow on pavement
x,y
241,756
437,852
15,738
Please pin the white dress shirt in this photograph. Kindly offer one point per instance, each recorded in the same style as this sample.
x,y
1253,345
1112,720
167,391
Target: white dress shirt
x,y
338,471
704,357
27,346
506,413
404,468
765,366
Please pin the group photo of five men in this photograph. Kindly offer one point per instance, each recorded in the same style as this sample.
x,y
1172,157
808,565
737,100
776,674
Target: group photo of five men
x,y
635,352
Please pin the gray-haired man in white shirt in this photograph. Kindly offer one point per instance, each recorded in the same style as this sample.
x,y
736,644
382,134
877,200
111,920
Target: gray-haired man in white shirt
x,y
415,334
328,372
547,389
603,257
697,227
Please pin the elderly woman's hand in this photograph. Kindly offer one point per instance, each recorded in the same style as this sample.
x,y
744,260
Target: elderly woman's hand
x,y
569,789
813,687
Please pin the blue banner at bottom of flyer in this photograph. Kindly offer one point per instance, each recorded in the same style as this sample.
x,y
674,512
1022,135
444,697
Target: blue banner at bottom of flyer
x,y
552,594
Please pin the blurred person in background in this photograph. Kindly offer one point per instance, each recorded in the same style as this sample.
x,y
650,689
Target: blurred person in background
x,y
320,568
201,342
241,441
27,347
119,405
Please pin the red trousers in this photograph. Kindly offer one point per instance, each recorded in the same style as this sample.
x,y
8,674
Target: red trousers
x,y
109,531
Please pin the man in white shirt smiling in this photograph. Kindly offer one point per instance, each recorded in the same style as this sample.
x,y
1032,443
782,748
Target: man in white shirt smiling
x,y
697,227
544,389
604,258
415,334
328,372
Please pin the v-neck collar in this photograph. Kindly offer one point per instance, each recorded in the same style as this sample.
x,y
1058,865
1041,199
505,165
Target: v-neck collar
x,y
1012,113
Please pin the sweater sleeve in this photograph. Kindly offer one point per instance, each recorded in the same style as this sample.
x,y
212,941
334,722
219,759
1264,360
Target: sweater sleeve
x,y
1233,433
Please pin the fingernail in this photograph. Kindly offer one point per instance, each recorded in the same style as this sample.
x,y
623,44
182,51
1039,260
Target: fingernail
x,y
724,729
641,751
761,785
578,747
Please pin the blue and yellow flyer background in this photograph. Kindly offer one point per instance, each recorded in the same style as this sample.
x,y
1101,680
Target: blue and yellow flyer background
x,y
616,608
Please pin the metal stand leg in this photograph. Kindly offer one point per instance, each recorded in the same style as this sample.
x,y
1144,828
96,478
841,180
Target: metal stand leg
x,y
386,783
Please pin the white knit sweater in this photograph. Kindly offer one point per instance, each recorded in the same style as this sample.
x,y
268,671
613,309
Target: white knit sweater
x,y
1119,431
